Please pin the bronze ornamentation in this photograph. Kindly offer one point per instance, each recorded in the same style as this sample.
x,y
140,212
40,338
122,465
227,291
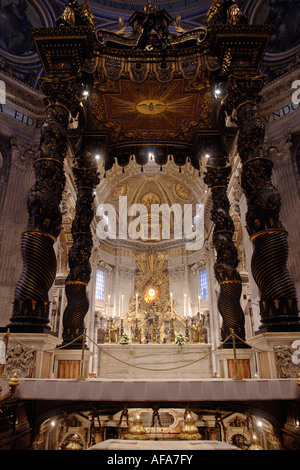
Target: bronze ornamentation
x,y
278,303
217,178
31,303
86,179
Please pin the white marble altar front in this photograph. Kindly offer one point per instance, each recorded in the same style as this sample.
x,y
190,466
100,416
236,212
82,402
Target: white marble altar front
x,y
155,361
121,444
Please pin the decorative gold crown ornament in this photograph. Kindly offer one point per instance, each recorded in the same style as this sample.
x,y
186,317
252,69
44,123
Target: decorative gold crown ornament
x,y
137,430
189,430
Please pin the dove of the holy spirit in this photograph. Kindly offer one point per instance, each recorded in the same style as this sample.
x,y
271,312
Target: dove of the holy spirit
x,y
151,107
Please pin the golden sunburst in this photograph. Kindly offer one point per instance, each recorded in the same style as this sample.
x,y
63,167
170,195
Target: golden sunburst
x,y
151,292
151,105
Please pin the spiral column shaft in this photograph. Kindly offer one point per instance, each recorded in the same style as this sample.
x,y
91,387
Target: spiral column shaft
x,y
227,257
86,178
278,302
31,303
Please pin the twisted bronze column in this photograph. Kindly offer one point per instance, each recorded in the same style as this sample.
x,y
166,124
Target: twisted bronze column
x,y
278,303
217,178
31,303
86,179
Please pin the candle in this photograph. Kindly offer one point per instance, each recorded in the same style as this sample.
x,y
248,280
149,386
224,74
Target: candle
x,y
136,304
184,305
122,311
171,295
199,298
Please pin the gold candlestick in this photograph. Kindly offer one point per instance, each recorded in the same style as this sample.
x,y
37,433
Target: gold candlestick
x,y
194,332
136,337
122,327
153,332
172,331
201,335
113,332
187,333
107,335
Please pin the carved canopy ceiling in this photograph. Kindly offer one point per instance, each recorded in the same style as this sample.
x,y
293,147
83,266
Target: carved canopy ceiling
x,y
151,105
150,89
151,112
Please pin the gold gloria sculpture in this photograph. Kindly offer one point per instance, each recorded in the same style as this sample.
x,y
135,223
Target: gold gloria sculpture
x,y
151,303
189,430
137,430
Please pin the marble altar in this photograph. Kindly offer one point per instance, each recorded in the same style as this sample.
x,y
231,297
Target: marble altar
x,y
134,445
156,361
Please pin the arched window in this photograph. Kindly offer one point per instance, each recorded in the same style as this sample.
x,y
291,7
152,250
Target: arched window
x,y
203,283
100,284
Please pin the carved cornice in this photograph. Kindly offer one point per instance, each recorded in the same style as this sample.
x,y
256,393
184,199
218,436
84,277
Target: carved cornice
x,y
63,50
246,43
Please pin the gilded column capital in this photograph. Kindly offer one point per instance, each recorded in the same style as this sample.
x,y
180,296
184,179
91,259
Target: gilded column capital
x,y
217,176
243,89
61,91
